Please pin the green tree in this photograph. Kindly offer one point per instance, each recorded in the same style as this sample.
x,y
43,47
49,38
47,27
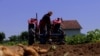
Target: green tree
x,y
14,38
24,35
2,36
94,35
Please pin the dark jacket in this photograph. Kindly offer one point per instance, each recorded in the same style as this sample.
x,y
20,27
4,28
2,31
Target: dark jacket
x,y
46,19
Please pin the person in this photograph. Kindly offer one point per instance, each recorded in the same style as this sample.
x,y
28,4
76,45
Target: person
x,y
47,21
45,26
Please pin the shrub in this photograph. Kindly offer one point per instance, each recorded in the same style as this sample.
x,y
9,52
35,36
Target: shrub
x,y
91,36
13,43
94,35
76,39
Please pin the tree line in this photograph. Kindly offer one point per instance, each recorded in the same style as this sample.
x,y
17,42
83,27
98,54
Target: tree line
x,y
22,37
91,36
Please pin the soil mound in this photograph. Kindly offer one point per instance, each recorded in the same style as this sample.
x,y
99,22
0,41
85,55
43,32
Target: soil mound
x,y
90,49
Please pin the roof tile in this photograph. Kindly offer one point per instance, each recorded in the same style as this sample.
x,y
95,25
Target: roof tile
x,y
70,24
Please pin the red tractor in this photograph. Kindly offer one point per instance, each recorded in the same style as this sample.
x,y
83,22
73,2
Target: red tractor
x,y
38,33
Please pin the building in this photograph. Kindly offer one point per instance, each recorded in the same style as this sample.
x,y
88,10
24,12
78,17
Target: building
x,y
71,27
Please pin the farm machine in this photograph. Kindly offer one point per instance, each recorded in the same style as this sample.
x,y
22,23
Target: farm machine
x,y
35,33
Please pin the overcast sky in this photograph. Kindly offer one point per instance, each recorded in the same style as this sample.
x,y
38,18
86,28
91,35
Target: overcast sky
x,y
15,13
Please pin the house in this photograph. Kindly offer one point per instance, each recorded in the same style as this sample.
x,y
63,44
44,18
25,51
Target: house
x,y
71,27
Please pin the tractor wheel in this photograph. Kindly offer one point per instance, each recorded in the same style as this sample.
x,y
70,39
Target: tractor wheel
x,y
31,37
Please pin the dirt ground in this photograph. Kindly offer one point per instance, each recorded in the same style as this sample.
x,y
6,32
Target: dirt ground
x,y
89,49
72,50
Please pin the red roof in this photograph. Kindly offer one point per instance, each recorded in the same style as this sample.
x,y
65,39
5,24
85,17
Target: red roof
x,y
70,24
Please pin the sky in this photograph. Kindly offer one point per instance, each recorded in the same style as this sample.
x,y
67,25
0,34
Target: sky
x,y
14,14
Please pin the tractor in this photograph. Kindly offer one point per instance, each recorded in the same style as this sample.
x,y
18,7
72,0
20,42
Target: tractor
x,y
36,33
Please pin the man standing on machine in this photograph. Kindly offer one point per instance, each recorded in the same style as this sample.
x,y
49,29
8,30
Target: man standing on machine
x,y
45,26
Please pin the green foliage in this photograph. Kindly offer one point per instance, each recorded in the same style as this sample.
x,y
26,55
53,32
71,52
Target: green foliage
x,y
91,36
76,39
14,38
24,35
9,43
94,36
2,36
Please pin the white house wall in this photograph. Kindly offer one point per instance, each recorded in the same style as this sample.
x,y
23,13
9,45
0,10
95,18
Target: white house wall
x,y
72,32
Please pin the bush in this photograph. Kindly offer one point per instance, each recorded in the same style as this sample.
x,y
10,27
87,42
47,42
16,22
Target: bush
x,y
91,36
76,39
94,36
13,43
